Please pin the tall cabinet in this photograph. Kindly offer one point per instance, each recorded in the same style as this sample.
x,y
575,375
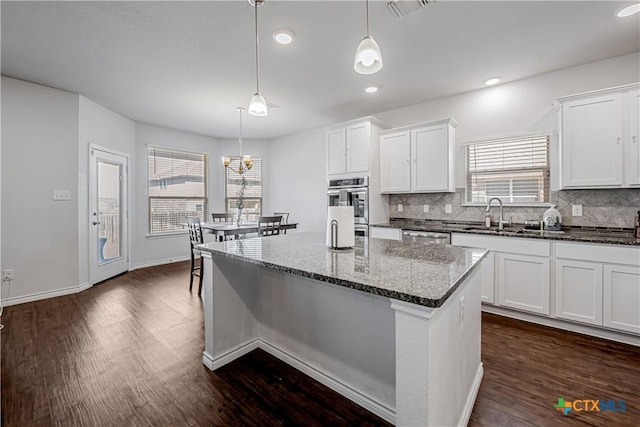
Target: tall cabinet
x,y
599,139
419,158
352,150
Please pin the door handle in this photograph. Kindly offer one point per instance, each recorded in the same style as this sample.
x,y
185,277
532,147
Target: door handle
x,y
96,222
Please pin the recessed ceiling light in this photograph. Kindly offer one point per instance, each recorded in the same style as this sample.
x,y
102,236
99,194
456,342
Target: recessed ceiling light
x,y
492,81
283,36
629,10
371,89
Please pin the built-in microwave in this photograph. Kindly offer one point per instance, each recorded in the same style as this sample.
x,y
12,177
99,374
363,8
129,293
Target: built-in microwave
x,y
351,192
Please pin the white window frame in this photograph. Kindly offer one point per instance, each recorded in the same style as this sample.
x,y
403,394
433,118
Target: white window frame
x,y
205,199
227,197
506,202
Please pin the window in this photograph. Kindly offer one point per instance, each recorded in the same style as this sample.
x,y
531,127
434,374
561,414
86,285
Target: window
x,y
252,192
514,169
177,188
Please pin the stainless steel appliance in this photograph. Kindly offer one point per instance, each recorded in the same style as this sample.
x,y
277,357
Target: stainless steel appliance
x,y
351,192
426,237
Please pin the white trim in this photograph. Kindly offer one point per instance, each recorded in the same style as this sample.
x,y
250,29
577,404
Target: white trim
x,y
230,355
605,91
362,399
507,137
413,309
565,325
159,262
45,295
167,234
471,397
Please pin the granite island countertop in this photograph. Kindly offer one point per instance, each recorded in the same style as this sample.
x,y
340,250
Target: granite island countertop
x,y
421,274
602,235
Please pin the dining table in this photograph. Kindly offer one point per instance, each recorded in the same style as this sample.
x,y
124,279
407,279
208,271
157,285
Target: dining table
x,y
224,229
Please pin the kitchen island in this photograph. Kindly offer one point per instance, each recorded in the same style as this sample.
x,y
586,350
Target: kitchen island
x,y
393,326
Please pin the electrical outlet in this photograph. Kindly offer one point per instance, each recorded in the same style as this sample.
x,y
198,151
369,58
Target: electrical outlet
x,y
399,207
7,275
448,208
461,311
60,195
576,210
425,208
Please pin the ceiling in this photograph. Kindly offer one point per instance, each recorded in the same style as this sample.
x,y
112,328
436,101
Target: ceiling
x,y
187,65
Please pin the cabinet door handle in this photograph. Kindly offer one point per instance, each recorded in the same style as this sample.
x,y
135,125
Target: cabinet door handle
x,y
618,139
633,139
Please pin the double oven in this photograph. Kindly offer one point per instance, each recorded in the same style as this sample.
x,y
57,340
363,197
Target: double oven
x,y
352,192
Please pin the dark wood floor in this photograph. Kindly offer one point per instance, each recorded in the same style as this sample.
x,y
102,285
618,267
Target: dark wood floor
x,y
128,352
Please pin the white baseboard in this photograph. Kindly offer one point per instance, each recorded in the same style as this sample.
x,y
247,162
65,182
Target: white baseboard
x,y
381,409
159,262
567,326
44,295
228,356
471,398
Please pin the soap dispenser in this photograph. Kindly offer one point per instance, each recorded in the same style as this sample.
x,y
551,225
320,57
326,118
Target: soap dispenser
x,y
552,219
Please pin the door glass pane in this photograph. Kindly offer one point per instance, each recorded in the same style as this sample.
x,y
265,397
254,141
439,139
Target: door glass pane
x,y
109,241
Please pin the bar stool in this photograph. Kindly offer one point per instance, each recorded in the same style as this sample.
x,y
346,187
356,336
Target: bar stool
x,y
195,238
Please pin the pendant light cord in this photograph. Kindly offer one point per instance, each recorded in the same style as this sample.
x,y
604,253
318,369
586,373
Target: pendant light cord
x,y
367,7
240,132
257,58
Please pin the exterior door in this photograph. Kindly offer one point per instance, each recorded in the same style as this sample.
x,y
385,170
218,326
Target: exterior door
x,y
108,215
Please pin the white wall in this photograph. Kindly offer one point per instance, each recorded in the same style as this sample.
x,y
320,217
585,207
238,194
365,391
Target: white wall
x,y
298,178
519,107
151,250
102,127
39,155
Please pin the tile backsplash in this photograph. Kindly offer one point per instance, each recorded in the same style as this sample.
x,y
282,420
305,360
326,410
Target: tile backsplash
x,y
600,208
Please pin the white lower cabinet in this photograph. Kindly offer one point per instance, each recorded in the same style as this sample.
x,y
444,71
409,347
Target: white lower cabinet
x,y
523,282
579,291
487,277
385,233
621,309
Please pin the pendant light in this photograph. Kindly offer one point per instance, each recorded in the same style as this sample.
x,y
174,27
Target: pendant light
x,y
257,103
368,58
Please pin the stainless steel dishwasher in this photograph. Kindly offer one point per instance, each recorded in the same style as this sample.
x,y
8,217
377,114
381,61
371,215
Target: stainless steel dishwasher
x,y
426,237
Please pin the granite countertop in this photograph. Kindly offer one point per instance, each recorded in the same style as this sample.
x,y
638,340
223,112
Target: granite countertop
x,y
421,274
610,236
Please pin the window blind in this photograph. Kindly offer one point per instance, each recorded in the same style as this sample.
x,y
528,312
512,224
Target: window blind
x,y
253,190
514,169
177,188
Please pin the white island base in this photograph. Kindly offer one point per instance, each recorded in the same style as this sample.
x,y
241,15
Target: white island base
x,y
409,364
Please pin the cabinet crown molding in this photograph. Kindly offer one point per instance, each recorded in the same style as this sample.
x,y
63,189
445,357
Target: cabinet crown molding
x,y
450,121
367,119
622,88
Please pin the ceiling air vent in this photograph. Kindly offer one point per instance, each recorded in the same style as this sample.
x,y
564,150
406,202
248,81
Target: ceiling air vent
x,y
400,8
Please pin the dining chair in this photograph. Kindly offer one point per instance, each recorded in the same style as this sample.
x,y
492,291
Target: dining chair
x,y
195,238
285,218
222,217
269,225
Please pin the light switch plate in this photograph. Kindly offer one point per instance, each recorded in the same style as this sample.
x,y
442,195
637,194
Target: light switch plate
x,y
399,207
448,208
425,208
576,210
61,195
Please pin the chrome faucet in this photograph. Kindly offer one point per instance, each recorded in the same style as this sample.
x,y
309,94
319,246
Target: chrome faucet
x,y
502,223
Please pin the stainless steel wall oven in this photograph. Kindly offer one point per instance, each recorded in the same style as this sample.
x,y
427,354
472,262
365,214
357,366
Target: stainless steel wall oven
x,y
351,192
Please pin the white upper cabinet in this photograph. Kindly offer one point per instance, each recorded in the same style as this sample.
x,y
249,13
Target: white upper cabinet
x,y
395,155
349,148
336,152
358,140
418,159
597,148
633,133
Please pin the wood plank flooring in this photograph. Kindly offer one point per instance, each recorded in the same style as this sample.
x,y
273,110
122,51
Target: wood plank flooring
x,y
128,352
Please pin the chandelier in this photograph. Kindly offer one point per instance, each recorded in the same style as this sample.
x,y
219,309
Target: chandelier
x,y
246,161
